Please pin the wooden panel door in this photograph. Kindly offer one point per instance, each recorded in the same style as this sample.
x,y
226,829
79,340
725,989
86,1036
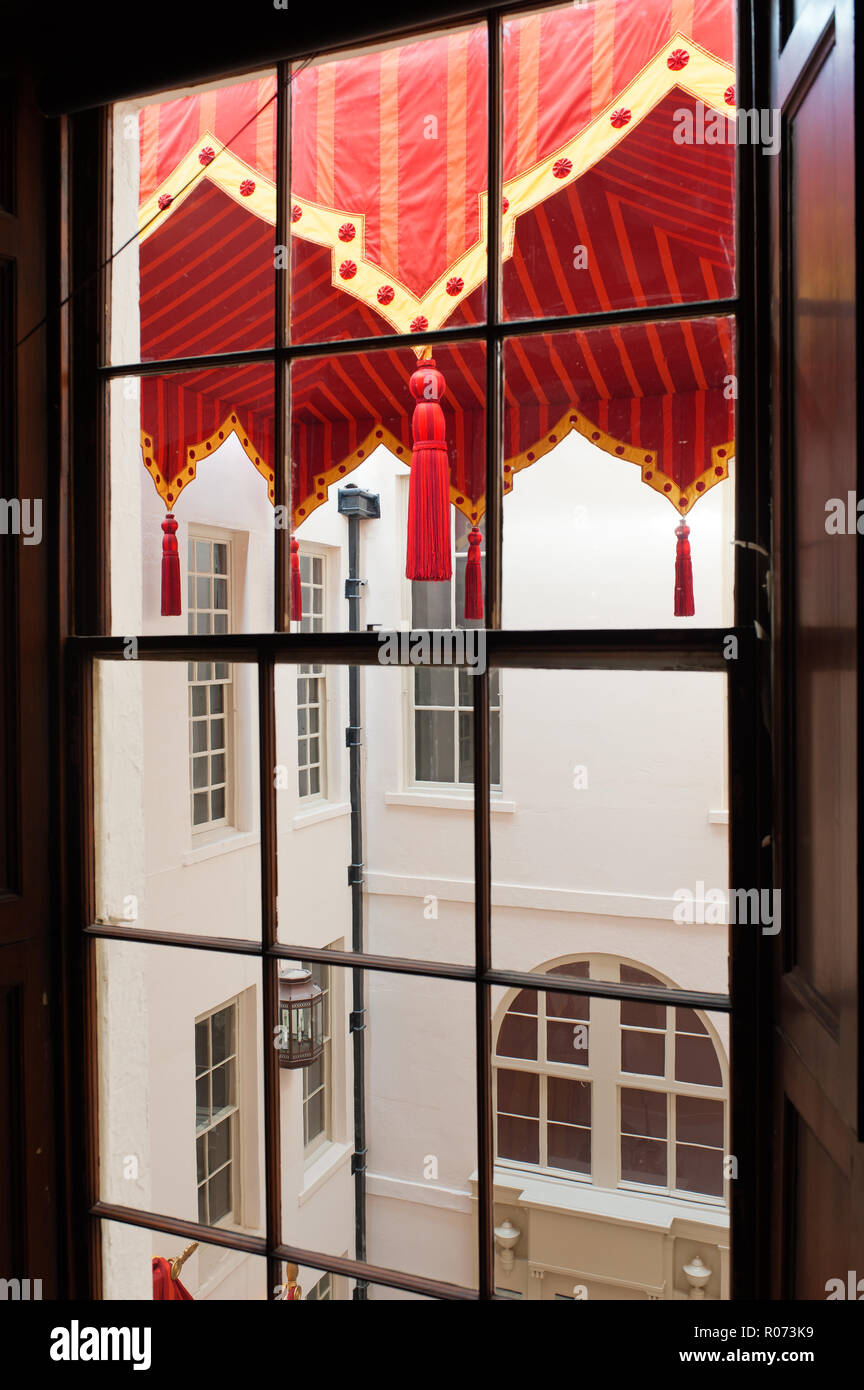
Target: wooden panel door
x,y
818,1220
28,772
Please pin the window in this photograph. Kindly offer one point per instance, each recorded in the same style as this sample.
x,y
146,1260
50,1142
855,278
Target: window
x,y
443,742
210,685
317,1077
216,1115
312,686
321,1291
621,359
565,1061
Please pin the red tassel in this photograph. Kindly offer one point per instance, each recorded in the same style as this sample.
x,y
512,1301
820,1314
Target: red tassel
x,y
474,577
684,605
296,589
171,607
428,551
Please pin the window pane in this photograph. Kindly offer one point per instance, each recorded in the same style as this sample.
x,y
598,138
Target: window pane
x,y
643,1160
211,1273
699,1170
569,1148
567,1042
699,1121
161,1147
378,160
154,776
614,439
434,750
643,1052
518,1139
517,1036
568,1101
518,1092
643,1113
696,1061
598,173
434,685
430,607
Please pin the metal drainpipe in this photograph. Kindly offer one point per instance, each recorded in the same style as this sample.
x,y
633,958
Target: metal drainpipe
x,y
356,504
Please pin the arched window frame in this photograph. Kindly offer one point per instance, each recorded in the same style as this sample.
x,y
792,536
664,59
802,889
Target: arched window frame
x,y
603,1072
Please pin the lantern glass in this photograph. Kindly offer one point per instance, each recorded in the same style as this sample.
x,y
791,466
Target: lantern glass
x,y
300,1033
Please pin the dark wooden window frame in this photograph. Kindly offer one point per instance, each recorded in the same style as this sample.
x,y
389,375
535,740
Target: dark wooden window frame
x,y
84,266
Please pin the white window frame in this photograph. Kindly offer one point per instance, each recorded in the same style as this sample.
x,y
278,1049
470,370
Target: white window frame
x,y
312,1146
459,557
314,619
211,536
231,1113
607,1081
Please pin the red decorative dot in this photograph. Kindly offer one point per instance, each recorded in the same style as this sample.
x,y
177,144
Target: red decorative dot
x,y
619,448
647,458
682,502
459,501
620,118
209,445
649,475
149,462
400,450
165,200
207,155
147,444
455,285
319,495
700,487
296,213
595,434
678,60
245,443
247,188
347,231
561,168
473,516
221,435
233,419
257,460
191,453
721,453
507,468
530,458
385,294
347,270
419,324
719,472
573,419
729,96
271,477
667,487
341,468
359,453
553,439
179,482
379,434
505,204
158,479
170,496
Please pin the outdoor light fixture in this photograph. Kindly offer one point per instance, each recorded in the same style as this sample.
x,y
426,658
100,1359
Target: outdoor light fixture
x,y
299,1032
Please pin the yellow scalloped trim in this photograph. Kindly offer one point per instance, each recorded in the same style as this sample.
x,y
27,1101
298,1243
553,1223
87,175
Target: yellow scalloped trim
x,y
705,78
170,492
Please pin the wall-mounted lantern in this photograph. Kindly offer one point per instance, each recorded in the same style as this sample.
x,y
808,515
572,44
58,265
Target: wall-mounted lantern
x,y
300,1028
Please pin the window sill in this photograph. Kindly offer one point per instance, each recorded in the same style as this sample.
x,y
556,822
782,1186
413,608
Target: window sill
x,y
321,1168
320,811
441,801
620,1206
223,842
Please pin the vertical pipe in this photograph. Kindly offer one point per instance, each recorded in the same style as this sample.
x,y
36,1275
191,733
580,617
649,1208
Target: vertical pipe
x,y
358,1002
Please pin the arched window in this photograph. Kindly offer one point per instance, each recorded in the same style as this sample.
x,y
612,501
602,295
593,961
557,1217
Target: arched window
x,y
619,1093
